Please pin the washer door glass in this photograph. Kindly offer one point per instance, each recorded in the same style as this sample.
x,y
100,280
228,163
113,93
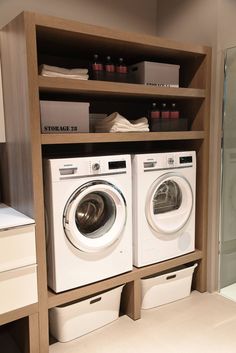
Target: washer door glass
x,y
169,203
95,216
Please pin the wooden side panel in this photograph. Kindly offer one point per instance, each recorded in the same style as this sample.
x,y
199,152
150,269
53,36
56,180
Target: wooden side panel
x,y
16,103
24,160
203,182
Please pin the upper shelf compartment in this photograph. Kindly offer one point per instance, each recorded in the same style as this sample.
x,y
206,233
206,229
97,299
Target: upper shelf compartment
x,y
71,44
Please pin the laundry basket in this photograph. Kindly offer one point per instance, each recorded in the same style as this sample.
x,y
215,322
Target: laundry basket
x,y
166,288
68,322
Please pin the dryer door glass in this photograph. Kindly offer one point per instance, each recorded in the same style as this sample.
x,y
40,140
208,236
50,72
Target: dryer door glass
x,y
169,203
95,216
168,197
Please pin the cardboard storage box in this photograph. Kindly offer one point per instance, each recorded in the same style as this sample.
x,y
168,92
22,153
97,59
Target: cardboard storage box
x,y
64,117
166,288
18,288
155,74
68,322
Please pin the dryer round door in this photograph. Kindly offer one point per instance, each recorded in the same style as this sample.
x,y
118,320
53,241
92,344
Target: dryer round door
x,y
95,216
169,203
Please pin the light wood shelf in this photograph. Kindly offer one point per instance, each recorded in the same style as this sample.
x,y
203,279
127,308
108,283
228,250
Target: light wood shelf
x,y
18,314
120,137
117,89
137,273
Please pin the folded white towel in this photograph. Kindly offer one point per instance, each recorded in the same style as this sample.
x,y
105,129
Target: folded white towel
x,y
54,71
117,123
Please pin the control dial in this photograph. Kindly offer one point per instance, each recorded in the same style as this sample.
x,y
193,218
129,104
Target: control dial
x,y
95,167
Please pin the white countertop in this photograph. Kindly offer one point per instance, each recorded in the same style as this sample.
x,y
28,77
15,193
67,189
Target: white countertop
x,y
12,218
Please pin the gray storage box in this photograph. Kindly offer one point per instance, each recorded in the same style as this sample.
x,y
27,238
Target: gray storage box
x,y
155,74
64,117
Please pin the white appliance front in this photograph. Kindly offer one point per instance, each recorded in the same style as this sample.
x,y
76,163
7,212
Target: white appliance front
x,y
89,219
163,206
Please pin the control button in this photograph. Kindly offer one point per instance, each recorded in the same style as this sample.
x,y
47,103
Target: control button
x,y
170,161
96,166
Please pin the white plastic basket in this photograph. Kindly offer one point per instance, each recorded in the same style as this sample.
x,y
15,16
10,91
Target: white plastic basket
x,y
166,288
68,322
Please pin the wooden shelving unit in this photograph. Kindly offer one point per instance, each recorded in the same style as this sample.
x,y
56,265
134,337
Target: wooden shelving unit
x,y
32,39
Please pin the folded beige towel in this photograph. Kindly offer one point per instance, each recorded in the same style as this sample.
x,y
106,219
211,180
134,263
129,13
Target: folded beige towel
x,y
117,123
54,71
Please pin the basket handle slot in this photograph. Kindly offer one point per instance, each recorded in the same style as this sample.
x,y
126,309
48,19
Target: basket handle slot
x,y
95,300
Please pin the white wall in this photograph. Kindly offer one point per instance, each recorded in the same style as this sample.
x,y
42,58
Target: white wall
x,y
189,21
130,15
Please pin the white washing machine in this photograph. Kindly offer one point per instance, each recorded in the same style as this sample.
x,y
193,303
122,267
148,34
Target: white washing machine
x,y
163,206
89,219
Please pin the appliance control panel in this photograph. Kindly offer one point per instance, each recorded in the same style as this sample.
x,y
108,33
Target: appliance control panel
x,y
70,168
157,161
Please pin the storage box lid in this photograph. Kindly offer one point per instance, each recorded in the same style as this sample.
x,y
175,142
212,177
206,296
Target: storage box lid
x,y
10,218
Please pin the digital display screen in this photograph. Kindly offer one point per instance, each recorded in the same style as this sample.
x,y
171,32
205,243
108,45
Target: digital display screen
x,y
183,160
117,164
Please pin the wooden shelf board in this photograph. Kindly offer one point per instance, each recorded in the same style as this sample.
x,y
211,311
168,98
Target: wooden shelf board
x,y
18,313
64,30
78,293
47,139
165,265
118,89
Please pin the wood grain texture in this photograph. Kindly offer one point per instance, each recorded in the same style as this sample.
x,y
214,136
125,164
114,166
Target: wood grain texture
x,y
34,333
133,39
21,98
16,103
120,137
131,299
109,89
18,314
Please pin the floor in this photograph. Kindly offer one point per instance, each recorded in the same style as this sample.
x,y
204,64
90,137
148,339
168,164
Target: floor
x,y
199,323
229,291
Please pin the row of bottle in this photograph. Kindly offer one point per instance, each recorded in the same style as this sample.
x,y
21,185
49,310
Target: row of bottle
x,y
164,111
109,71
165,117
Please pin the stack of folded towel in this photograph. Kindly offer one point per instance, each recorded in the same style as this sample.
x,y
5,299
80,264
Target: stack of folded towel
x,y
54,71
117,123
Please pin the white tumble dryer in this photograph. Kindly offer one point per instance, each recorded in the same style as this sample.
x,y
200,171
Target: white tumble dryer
x,y
163,206
88,219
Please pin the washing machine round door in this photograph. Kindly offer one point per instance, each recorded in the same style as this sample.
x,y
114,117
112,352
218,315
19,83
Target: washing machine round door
x,y
95,216
169,203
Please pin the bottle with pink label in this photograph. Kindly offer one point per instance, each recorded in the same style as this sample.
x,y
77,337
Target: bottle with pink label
x,y
154,117
109,69
121,71
97,68
174,112
165,112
